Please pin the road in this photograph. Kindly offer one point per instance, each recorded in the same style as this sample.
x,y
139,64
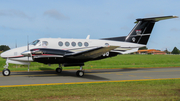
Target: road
x,y
69,76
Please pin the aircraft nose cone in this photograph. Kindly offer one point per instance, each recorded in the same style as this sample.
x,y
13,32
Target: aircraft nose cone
x,y
3,55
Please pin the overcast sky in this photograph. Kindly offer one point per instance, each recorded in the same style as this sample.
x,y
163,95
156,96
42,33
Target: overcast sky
x,y
79,18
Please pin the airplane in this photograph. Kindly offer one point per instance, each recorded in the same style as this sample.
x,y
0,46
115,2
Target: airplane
x,y
75,52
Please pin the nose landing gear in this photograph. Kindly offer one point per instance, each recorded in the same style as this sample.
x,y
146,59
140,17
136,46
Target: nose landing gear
x,y
6,71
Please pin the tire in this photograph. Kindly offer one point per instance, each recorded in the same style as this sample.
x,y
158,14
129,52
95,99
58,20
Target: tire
x,y
58,70
6,72
80,73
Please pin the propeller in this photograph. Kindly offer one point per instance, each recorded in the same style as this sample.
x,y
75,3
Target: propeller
x,y
16,47
28,51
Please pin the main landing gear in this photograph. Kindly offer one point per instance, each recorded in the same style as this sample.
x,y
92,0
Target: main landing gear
x,y
59,69
79,73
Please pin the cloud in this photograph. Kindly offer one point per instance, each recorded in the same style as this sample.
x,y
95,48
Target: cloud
x,y
12,13
55,14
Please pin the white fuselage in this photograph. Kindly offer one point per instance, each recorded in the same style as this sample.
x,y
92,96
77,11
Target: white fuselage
x,y
74,45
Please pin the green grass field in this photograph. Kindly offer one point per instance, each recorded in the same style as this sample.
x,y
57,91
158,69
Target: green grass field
x,y
157,90
120,61
133,90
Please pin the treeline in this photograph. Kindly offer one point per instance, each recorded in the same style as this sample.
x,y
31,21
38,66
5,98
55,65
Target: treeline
x,y
174,51
4,48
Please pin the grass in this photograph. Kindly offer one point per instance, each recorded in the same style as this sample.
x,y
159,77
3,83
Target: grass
x,y
133,90
120,61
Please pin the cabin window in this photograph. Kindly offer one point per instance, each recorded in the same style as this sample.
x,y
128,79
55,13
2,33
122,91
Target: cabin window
x,y
79,44
60,43
86,44
107,44
44,43
73,44
67,44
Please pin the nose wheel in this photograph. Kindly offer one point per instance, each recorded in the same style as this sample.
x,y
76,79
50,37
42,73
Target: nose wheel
x,y
6,72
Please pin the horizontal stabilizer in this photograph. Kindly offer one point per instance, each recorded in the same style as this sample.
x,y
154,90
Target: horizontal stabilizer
x,y
155,19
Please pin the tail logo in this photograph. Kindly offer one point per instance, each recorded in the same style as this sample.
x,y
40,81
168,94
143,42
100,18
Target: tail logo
x,y
138,32
133,39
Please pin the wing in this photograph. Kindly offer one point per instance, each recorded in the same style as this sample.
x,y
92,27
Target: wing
x,y
125,50
90,54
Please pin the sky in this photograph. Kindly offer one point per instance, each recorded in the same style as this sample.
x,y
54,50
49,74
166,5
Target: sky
x,y
22,20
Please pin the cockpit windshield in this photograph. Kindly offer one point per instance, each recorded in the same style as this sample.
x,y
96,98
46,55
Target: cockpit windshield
x,y
34,42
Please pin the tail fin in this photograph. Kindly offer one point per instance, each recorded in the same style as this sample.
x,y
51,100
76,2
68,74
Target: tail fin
x,y
141,32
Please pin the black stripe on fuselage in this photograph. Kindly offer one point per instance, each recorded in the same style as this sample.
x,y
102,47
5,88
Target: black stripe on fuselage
x,y
61,60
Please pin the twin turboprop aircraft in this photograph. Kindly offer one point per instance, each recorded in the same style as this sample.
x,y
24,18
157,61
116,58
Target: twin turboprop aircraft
x,y
74,52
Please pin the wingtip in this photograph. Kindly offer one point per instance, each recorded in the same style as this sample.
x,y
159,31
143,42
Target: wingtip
x,y
175,16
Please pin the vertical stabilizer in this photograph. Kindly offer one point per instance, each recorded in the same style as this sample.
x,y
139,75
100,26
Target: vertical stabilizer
x,y
141,32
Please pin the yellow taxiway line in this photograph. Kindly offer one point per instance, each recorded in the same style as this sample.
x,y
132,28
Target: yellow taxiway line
x,y
84,82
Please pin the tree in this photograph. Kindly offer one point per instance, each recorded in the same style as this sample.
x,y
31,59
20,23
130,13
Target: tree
x,y
175,51
4,48
166,51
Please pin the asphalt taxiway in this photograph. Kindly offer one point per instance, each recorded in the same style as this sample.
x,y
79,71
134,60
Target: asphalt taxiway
x,y
102,75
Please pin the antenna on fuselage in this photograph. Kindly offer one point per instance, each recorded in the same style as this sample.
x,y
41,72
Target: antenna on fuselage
x,y
16,44
88,37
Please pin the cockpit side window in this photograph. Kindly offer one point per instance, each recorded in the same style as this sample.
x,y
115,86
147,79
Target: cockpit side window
x,y
44,43
34,42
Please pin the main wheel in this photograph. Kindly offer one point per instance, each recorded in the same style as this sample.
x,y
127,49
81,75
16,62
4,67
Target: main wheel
x,y
80,73
6,72
58,70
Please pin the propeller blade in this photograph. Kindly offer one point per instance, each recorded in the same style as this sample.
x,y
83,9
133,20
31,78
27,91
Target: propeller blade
x,y
29,52
28,64
27,43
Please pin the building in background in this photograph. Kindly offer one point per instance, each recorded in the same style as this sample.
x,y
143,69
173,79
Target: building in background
x,y
150,51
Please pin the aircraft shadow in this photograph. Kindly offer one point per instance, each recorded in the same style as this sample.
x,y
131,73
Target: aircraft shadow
x,y
112,70
71,73
46,69
64,73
